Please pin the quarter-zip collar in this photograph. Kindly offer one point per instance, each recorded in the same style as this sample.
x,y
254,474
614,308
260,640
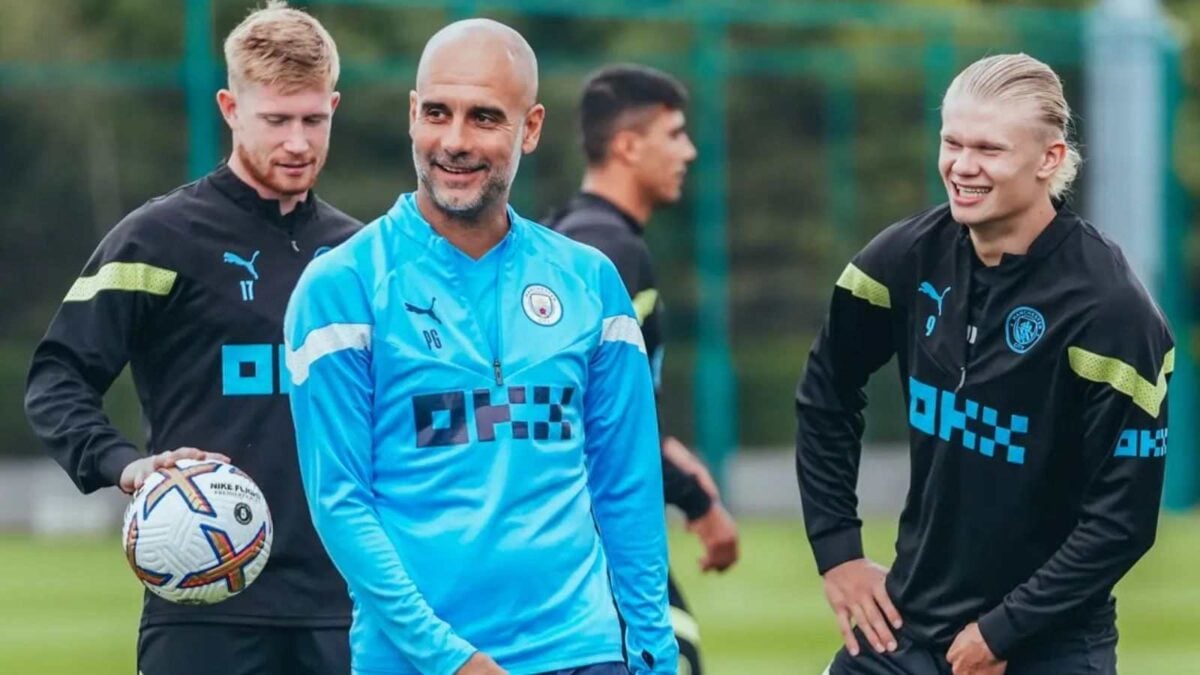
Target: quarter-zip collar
x,y
245,196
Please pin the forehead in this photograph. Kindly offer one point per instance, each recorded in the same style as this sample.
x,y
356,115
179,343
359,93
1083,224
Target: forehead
x,y
973,118
273,98
466,74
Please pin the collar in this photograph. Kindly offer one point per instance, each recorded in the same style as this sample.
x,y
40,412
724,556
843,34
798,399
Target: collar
x,y
584,200
228,183
1064,222
407,216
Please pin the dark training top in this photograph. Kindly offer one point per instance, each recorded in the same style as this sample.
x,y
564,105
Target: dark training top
x,y
190,290
595,221
1036,397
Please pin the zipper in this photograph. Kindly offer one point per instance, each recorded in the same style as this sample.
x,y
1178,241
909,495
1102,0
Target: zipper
x,y
499,345
295,247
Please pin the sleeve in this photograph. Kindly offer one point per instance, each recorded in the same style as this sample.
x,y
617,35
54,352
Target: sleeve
x,y
86,347
1121,366
632,260
854,342
624,478
328,331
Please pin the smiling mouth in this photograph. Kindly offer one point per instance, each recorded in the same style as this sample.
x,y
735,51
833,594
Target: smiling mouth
x,y
458,170
970,190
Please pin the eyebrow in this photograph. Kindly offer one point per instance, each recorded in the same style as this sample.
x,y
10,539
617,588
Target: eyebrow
x,y
288,116
498,113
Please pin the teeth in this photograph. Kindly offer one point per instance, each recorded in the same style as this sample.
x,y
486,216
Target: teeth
x,y
974,191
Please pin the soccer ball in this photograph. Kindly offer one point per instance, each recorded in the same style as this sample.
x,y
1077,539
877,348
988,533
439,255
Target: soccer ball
x,y
198,532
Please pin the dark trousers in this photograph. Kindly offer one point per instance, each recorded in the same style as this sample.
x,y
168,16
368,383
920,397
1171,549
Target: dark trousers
x,y
1091,651
221,649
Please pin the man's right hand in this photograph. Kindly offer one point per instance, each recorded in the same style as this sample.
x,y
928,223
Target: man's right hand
x,y
481,664
855,590
137,471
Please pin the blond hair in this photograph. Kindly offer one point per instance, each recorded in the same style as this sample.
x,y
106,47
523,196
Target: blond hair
x,y
1020,77
282,47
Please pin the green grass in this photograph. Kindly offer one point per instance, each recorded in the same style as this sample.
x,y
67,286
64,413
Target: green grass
x,y
71,606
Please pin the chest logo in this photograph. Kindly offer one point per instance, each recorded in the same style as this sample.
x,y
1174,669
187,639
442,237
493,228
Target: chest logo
x,y
541,305
928,289
247,285
1023,328
427,311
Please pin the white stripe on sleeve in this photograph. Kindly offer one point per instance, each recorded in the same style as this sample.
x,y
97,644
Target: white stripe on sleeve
x,y
623,329
325,341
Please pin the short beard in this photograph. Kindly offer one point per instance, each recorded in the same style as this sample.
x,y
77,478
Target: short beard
x,y
263,177
468,214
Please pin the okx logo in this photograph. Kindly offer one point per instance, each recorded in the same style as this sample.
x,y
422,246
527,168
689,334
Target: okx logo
x,y
536,412
979,428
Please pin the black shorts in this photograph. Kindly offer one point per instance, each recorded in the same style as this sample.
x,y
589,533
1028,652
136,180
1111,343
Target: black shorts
x,y
223,649
1091,651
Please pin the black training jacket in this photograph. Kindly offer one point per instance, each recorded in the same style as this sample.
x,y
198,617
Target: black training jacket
x,y
190,291
1036,397
595,221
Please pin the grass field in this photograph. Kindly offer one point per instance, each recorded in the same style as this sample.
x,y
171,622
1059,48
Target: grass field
x,y
70,607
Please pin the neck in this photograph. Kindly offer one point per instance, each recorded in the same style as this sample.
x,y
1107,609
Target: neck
x,y
1013,235
620,188
287,203
476,236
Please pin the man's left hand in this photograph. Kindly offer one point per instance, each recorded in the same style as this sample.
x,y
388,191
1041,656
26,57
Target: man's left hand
x,y
719,536
970,654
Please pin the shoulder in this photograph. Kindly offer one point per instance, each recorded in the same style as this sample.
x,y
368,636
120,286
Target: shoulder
x,y
154,229
335,217
1119,295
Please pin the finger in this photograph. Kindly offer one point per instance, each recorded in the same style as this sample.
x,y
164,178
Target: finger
x,y
218,457
864,624
871,610
889,609
843,620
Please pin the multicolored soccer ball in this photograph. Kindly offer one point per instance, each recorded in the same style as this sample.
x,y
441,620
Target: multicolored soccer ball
x,y
198,532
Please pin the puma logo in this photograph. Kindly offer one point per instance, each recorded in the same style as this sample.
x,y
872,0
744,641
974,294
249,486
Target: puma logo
x,y
235,259
421,310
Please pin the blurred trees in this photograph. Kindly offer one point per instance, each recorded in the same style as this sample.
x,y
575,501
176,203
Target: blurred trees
x,y
80,151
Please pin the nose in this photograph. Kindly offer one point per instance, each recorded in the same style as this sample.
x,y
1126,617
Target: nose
x,y
454,139
965,163
296,141
689,149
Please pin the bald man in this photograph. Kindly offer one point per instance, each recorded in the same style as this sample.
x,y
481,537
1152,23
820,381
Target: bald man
x,y
474,408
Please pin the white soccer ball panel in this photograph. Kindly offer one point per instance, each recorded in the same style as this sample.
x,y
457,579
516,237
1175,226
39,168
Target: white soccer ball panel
x,y
198,532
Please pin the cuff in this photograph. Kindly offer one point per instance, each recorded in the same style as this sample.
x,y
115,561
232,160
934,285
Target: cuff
x,y
836,548
114,462
998,632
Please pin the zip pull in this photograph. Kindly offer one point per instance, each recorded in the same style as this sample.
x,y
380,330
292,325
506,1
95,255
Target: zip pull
x,y
295,247
972,333
496,370
962,379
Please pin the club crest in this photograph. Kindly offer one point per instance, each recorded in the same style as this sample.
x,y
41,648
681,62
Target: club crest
x,y
541,305
1023,328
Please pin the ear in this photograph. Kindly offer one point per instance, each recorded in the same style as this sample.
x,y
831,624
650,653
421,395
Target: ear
x,y
533,128
625,146
227,103
1052,158
334,100
413,101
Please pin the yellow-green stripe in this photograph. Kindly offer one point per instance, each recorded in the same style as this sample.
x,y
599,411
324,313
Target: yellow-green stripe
x,y
863,286
1124,377
122,276
644,302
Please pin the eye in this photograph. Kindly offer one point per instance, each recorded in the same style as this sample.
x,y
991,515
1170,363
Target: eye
x,y
315,121
276,120
951,143
436,115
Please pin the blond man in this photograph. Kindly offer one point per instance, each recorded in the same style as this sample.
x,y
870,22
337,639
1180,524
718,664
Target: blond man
x,y
190,291
1035,368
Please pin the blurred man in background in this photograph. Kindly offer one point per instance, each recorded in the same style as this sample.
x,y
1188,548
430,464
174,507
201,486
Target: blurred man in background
x,y
474,412
637,148
1036,368
190,290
